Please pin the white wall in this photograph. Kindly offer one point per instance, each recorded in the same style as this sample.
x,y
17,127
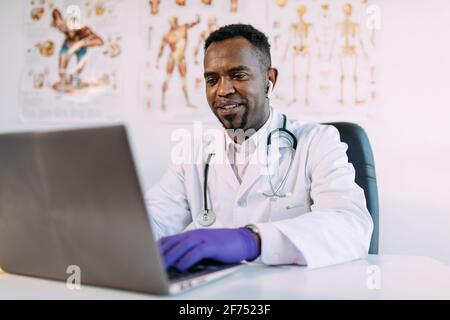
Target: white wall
x,y
412,145
411,138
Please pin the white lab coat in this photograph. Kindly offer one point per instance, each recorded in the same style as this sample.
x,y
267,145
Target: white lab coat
x,y
325,221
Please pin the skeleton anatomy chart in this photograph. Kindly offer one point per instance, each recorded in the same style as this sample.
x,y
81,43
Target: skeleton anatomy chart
x,y
325,52
72,66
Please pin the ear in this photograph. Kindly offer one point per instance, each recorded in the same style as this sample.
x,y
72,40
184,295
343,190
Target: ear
x,y
272,75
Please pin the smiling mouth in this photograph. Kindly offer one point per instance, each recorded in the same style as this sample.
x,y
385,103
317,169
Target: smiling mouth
x,y
229,109
230,106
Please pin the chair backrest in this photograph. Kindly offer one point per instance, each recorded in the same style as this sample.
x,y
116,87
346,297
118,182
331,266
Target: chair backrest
x,y
360,154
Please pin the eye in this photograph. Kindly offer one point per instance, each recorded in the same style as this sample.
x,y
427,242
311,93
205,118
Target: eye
x,y
240,76
211,81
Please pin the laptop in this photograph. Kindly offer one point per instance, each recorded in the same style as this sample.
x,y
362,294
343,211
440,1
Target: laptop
x,y
71,200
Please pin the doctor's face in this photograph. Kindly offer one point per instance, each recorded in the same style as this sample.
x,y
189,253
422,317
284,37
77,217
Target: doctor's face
x,y
236,84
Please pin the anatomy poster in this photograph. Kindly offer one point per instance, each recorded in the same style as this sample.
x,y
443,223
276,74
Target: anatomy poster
x,y
324,50
73,60
171,84
89,59
326,54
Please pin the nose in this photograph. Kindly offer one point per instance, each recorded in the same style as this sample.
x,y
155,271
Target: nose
x,y
225,87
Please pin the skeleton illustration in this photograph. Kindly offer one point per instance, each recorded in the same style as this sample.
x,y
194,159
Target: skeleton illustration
x,y
350,46
302,33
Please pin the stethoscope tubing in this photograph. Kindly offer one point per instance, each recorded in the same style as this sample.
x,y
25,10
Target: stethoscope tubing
x,y
205,183
269,143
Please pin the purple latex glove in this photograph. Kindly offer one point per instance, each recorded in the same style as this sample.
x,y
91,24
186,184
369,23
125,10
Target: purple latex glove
x,y
184,250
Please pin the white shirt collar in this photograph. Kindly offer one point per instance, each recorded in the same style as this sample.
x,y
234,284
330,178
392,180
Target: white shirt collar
x,y
254,140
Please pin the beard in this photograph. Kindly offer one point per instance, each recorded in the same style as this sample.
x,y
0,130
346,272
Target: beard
x,y
229,121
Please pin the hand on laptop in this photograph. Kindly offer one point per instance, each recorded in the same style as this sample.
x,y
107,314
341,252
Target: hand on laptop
x,y
184,250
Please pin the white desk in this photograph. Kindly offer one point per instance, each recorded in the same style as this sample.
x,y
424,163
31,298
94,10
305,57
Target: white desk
x,y
402,277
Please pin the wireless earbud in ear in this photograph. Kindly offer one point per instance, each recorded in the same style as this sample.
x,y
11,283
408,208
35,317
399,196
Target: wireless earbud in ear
x,y
269,89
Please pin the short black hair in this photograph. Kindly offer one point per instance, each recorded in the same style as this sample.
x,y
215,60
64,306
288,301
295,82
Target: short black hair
x,y
258,39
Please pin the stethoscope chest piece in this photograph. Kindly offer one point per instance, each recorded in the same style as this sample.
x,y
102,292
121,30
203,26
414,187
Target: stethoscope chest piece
x,y
206,218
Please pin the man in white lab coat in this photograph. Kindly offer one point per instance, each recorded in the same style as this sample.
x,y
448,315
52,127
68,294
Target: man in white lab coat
x,y
309,211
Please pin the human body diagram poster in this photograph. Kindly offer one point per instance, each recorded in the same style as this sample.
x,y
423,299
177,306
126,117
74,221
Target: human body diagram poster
x,y
171,80
73,61
325,52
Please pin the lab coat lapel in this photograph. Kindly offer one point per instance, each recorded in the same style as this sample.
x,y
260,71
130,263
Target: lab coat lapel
x,y
225,172
220,165
255,171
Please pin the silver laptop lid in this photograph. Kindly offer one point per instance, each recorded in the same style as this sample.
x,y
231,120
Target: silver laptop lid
x,y
73,197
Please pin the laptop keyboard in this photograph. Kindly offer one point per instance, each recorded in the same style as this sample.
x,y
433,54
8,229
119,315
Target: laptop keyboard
x,y
196,270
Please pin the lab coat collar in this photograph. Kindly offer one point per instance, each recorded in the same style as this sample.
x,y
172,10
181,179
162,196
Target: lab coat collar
x,y
255,140
220,144
221,166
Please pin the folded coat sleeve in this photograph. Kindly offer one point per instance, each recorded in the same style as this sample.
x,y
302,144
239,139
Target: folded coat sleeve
x,y
338,228
167,203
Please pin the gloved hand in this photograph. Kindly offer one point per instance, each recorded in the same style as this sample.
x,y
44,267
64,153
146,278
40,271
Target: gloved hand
x,y
224,245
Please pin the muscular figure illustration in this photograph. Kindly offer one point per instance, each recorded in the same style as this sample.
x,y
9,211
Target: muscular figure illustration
x,y
98,8
113,49
154,6
46,48
233,6
212,25
281,3
39,8
350,47
301,33
39,78
176,39
78,39
37,13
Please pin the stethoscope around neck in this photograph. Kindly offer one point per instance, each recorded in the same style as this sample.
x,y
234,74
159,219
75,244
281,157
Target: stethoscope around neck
x,y
208,217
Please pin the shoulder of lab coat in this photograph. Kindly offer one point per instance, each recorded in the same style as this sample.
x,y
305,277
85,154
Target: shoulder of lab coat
x,y
167,201
339,226
168,196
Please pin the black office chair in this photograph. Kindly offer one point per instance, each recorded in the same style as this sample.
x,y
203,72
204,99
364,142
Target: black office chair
x,y
359,153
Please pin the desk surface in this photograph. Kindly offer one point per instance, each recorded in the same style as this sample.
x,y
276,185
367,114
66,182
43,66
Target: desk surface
x,y
399,277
